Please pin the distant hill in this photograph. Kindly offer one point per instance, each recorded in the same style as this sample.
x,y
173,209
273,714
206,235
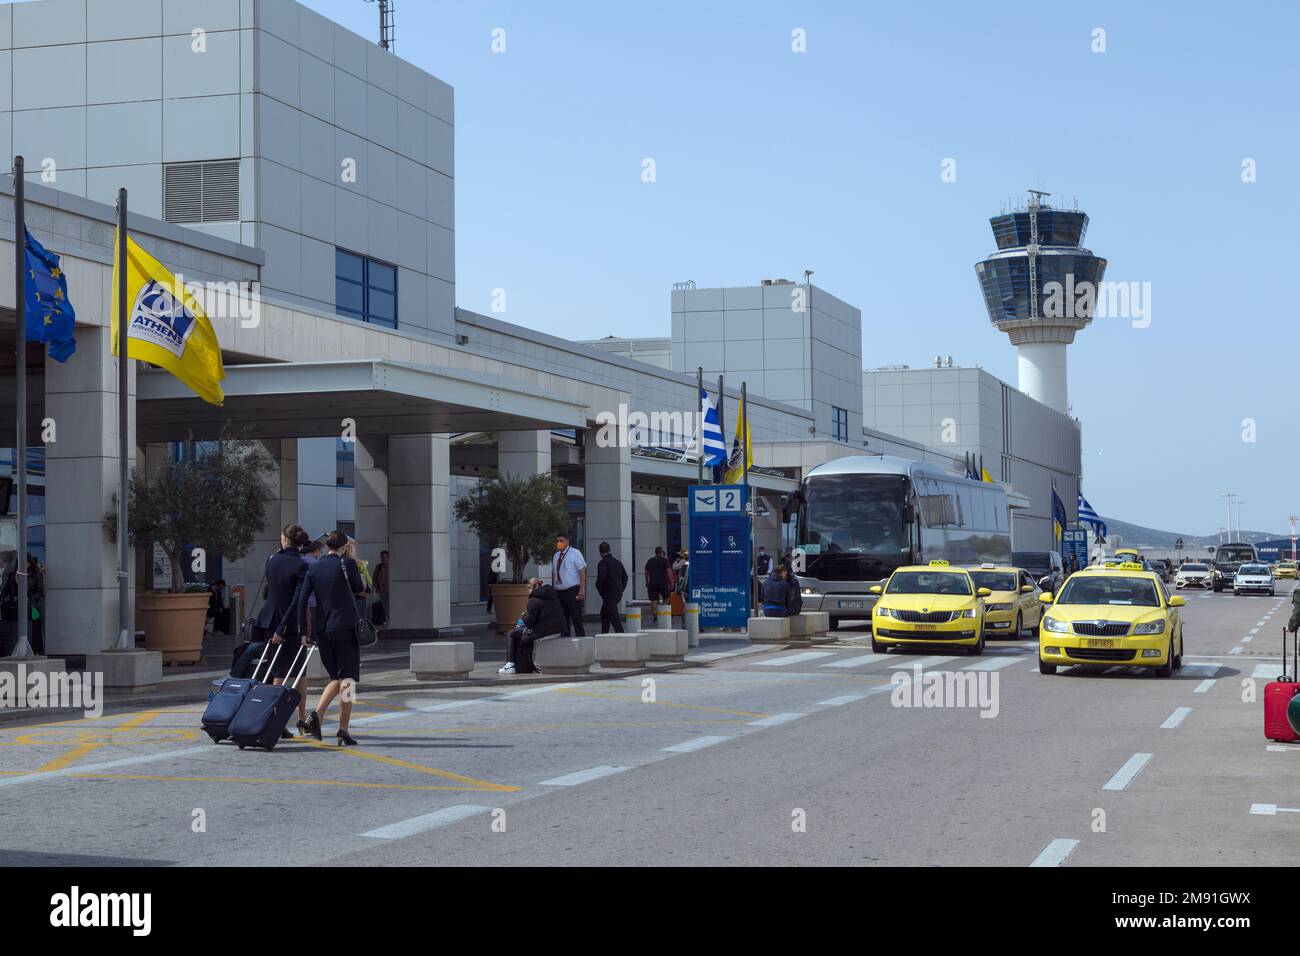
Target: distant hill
x,y
1137,536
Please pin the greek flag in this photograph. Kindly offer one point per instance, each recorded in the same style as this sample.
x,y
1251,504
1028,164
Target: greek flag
x,y
1089,516
715,449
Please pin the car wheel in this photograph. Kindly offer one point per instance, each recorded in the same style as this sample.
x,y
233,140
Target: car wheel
x,y
1178,658
978,649
1272,593
877,647
835,624
1020,627
1167,668
1046,668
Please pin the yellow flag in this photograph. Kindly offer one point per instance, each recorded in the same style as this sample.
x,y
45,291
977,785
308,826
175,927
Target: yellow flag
x,y
166,326
740,446
984,474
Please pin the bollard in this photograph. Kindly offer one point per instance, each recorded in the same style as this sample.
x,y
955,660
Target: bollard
x,y
664,617
632,620
691,617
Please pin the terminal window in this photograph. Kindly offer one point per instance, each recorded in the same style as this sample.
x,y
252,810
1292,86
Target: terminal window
x,y
365,289
840,419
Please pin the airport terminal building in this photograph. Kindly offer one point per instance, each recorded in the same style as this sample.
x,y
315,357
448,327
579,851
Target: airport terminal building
x,y
262,143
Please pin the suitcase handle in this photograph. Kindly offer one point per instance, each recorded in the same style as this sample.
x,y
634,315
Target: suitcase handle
x,y
253,676
302,672
270,665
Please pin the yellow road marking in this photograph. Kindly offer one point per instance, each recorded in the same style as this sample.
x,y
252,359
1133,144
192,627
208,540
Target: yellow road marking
x,y
362,754
138,720
76,753
263,780
660,703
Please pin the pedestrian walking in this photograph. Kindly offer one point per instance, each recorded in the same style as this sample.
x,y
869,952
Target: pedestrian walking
x,y
611,582
681,564
276,620
351,551
543,617
336,583
763,563
657,571
311,553
569,578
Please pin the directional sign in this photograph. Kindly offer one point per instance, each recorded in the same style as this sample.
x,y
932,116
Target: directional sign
x,y
720,561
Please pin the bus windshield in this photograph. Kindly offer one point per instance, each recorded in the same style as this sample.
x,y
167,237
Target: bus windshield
x,y
854,514
1234,553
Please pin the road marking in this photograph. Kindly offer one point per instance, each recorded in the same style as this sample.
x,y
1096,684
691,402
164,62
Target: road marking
x,y
858,660
1267,671
1125,775
1204,686
841,701
1271,809
439,818
581,776
923,662
1236,650
1281,748
360,753
695,743
1176,718
1212,669
775,720
106,765
794,659
1055,853
717,655
1254,630
992,664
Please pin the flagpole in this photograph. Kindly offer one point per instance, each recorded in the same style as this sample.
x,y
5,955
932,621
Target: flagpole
x,y
125,638
743,428
22,648
722,425
699,405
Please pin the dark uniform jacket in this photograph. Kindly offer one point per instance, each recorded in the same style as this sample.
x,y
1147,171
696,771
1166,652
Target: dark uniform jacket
x,y
611,577
284,573
335,582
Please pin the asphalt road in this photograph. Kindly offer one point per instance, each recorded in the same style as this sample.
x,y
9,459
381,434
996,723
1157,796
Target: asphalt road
x,y
785,757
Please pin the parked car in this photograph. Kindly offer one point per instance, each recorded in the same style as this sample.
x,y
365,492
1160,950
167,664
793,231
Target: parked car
x,y
1045,566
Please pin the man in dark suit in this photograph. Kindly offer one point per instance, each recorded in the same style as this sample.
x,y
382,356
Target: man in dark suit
x,y
611,582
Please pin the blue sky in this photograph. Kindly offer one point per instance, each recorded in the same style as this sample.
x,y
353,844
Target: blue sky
x,y
769,162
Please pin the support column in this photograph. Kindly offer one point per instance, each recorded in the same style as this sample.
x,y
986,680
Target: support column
x,y
81,465
522,455
651,520
608,494
281,509
767,530
371,508
419,541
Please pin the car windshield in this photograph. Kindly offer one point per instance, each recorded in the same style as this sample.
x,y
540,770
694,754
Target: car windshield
x,y
928,582
1253,569
994,580
1109,589
1032,560
1195,567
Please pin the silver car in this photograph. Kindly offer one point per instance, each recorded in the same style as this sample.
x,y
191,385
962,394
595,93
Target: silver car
x,y
1193,575
1253,577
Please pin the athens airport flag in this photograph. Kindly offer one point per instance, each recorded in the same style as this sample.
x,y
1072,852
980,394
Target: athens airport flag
x,y
166,326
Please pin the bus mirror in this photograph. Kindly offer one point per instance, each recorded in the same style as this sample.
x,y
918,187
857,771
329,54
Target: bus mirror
x,y
909,513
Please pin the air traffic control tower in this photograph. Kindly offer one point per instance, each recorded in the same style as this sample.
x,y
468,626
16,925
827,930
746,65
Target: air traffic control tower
x,y
1040,288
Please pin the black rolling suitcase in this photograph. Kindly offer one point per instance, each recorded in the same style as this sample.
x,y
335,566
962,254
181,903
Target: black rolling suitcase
x,y
266,710
225,701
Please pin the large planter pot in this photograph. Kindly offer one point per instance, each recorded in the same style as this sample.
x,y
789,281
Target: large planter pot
x,y
173,624
509,602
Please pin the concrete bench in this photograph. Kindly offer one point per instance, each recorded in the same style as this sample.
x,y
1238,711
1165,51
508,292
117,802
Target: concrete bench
x,y
435,659
132,671
621,650
564,655
663,645
769,630
809,624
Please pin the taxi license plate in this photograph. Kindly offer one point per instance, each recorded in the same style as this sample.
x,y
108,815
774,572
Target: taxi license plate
x,y
1100,644
850,604
926,627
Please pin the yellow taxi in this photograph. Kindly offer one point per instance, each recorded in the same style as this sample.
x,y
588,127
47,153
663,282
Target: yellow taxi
x,y
1116,613
1013,607
1127,554
928,605
1285,569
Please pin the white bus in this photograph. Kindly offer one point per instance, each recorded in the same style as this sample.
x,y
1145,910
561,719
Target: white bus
x,y
859,518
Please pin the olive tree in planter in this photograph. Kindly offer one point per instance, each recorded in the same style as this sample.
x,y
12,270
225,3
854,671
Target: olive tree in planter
x,y
522,516
214,500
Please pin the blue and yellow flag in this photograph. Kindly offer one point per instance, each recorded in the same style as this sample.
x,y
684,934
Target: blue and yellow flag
x,y
166,326
1059,517
49,313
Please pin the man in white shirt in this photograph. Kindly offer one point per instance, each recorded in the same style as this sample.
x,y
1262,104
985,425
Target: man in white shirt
x,y
569,578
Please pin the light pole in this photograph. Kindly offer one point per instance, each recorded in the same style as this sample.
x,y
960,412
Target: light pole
x,y
1229,495
1237,504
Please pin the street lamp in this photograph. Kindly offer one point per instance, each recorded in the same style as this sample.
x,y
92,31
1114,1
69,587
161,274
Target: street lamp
x,y
1229,495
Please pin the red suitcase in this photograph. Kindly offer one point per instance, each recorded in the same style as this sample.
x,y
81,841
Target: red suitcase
x,y
1277,697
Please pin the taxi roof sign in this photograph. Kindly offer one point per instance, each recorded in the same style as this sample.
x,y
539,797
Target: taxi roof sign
x,y
987,565
1130,566
938,562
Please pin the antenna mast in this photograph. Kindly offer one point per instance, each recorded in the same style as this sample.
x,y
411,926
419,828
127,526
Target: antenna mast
x,y
386,38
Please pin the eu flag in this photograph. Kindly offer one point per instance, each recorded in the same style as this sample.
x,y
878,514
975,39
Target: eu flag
x,y
49,313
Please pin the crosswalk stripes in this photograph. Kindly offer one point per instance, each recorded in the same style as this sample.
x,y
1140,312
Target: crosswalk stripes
x,y
858,660
794,659
992,660
991,664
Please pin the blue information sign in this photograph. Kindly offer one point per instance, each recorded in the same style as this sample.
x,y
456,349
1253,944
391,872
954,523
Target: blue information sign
x,y
1075,542
720,561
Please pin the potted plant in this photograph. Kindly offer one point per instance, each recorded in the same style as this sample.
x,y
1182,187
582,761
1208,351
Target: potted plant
x,y
214,500
521,516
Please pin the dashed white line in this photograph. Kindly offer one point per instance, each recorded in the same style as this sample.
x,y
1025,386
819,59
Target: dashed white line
x,y
1236,650
775,720
923,662
1126,774
857,660
439,818
1176,718
1055,853
581,776
992,664
695,743
794,659
841,701
1204,686
1267,671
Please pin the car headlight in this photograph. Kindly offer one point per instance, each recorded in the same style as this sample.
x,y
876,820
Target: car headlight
x,y
884,611
969,612
807,591
1150,627
999,607
1055,626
